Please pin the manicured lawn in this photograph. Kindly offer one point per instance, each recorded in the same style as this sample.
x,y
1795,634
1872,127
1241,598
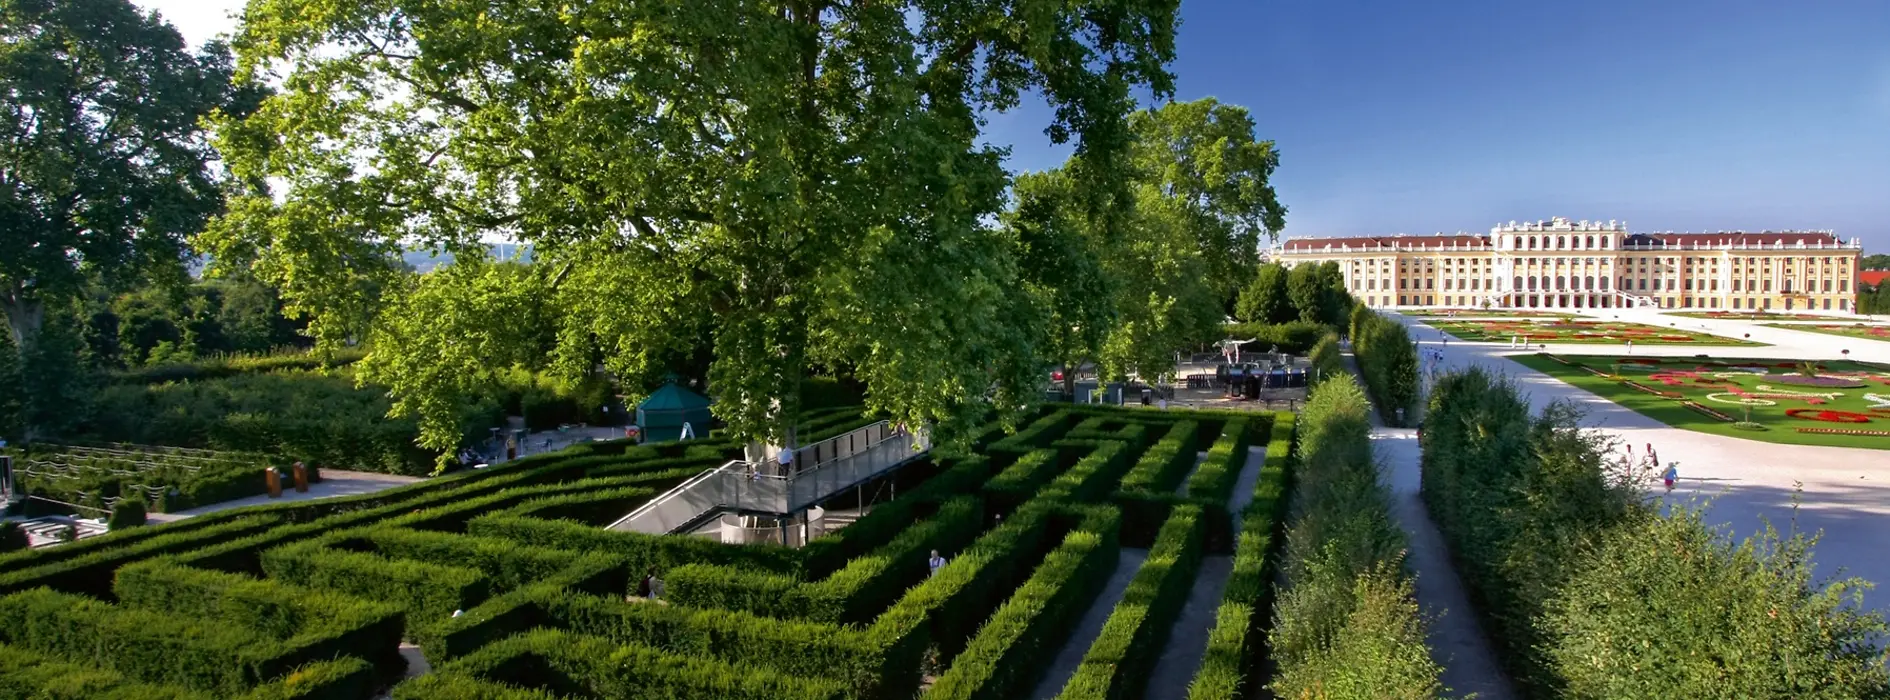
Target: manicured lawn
x,y
1683,393
1587,332
1848,330
1748,315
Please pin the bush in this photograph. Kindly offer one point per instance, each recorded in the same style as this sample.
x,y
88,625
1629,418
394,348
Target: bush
x,y
1294,337
1669,607
1517,498
428,593
1327,359
29,675
151,647
1346,624
1388,361
127,512
91,571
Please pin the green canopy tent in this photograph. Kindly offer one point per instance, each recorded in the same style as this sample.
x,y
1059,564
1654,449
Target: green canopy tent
x,y
663,414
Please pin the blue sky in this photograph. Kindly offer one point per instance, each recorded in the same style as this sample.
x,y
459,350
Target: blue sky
x,y
1443,116
1411,117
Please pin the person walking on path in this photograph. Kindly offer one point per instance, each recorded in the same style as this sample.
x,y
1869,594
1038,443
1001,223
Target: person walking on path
x,y
1671,475
936,562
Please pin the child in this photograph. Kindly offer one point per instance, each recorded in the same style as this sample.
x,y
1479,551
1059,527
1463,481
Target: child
x,y
1671,475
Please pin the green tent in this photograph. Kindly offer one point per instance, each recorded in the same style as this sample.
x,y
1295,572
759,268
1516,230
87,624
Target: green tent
x,y
663,414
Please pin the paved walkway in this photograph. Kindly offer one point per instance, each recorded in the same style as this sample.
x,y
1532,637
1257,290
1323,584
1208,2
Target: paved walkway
x,y
335,482
1845,491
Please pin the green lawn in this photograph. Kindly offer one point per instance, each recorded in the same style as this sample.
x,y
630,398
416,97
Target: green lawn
x,y
1583,332
1721,384
1848,330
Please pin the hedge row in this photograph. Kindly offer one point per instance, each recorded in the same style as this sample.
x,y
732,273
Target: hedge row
x,y
1347,622
1214,480
1020,481
323,625
567,664
1234,642
427,593
1163,465
593,574
1388,361
148,646
1016,645
91,573
1040,433
1328,361
831,552
854,594
1097,428
1119,661
1550,539
28,675
641,551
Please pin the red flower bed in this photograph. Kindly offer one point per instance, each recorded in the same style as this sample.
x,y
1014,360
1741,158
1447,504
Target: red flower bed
x,y
1828,416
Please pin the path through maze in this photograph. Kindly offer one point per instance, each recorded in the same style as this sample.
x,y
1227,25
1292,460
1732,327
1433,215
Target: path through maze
x,y
313,600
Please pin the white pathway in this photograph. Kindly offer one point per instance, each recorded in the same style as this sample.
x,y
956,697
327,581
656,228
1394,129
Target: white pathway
x,y
1845,491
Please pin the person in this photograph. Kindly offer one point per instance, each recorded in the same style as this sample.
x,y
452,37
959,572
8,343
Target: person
x,y
1671,475
1630,347
787,459
936,562
651,587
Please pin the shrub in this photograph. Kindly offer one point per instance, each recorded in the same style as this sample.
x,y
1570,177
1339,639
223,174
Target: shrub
x,y
1327,359
1234,641
29,675
569,664
127,512
1293,337
1346,624
1388,361
149,646
91,571
428,593
1669,607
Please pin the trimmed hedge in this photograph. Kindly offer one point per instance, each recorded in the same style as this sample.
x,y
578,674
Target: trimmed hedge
x,y
1346,623
1119,661
1235,640
1020,481
642,551
428,593
570,664
1016,645
1387,359
148,646
1214,480
127,512
505,564
322,625
516,611
1040,433
28,675
1163,465
91,573
831,552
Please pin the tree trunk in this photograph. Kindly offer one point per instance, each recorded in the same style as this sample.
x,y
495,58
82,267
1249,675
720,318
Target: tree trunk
x,y
24,317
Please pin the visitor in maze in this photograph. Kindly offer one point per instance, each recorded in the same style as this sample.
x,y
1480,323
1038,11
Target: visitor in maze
x,y
937,562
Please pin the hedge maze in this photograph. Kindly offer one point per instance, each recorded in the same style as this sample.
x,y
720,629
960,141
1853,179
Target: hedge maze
x,y
510,586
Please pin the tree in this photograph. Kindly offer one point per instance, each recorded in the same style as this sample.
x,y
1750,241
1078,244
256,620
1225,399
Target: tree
x,y
1874,262
1336,303
12,392
1307,289
104,167
1060,262
1265,300
1203,155
802,177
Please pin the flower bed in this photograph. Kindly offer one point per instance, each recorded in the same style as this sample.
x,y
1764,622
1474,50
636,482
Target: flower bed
x,y
1822,380
1651,390
1827,415
1707,411
1846,431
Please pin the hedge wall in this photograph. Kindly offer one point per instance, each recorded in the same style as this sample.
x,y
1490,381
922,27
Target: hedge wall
x,y
1388,361
427,593
1119,661
1346,622
28,675
570,664
1234,642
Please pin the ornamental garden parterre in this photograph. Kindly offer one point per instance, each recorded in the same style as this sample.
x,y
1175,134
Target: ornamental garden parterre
x,y
1837,403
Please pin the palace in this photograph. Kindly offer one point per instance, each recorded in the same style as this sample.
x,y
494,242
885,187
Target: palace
x,y
1563,264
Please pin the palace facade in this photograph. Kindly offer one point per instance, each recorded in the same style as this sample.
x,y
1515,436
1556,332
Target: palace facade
x,y
1563,264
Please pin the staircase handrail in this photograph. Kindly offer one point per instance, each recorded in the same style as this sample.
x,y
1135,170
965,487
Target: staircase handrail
x,y
674,492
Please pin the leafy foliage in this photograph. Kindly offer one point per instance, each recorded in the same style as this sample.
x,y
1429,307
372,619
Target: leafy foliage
x,y
127,512
1266,299
1388,360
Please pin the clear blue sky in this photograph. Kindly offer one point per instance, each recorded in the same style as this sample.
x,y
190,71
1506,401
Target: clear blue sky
x,y
1453,115
1443,116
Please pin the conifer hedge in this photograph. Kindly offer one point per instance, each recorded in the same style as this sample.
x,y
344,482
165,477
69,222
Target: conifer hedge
x,y
1388,361
1119,661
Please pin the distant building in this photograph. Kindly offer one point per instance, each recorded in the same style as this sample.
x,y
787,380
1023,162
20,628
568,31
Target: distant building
x,y
1563,264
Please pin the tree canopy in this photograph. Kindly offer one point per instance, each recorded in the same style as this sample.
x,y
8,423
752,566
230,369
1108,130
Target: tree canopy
x,y
803,177
104,165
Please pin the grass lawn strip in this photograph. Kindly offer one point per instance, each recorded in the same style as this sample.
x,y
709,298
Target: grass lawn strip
x,y
1853,330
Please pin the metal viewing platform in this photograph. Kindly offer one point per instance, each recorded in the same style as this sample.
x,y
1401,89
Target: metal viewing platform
x,y
817,473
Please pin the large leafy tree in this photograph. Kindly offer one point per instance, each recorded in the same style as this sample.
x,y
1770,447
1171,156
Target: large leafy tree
x,y
802,177
1062,265
1265,299
104,165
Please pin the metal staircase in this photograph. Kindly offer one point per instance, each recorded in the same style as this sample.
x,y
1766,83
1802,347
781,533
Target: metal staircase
x,y
818,472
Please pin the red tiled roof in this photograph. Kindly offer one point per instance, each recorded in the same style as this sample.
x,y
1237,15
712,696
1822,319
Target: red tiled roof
x,y
1790,238
1873,277
1461,240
